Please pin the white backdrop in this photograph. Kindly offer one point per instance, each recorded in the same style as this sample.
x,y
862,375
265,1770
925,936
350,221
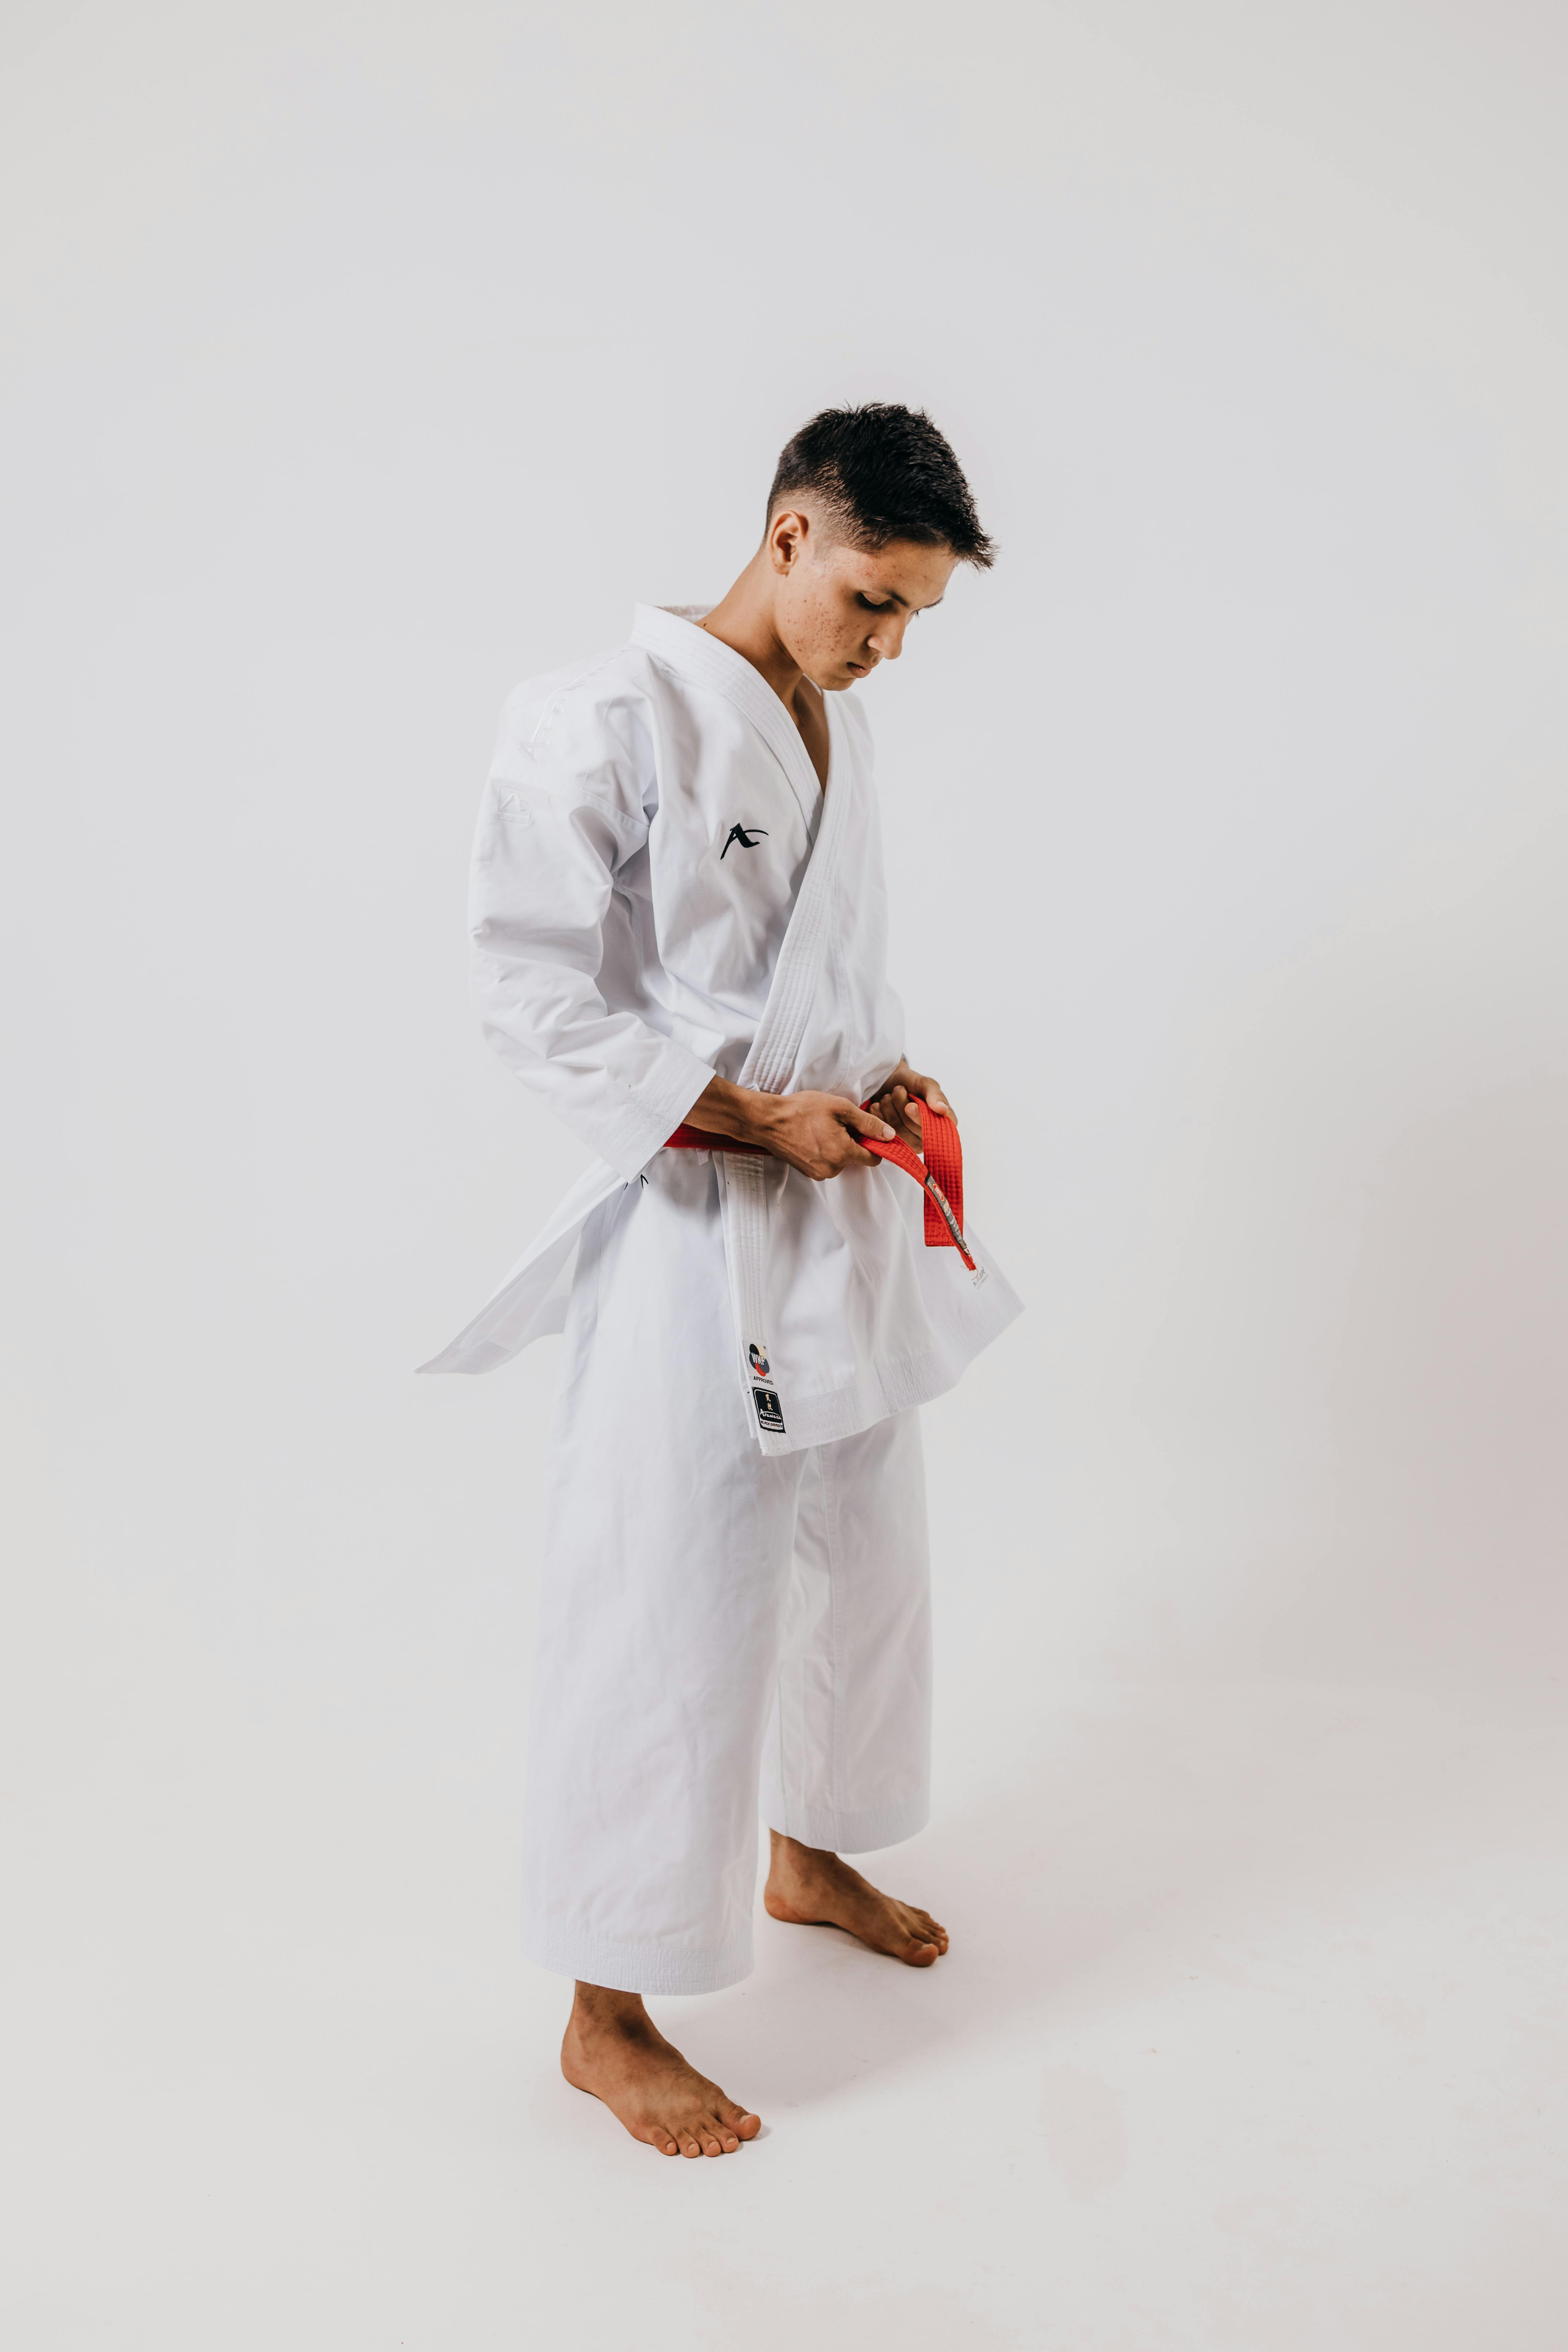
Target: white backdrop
x,y
360,360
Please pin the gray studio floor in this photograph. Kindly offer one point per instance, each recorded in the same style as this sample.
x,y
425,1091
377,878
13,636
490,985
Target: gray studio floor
x,y
1251,2040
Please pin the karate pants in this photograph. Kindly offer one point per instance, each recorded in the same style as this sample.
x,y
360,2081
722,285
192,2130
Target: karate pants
x,y
715,1624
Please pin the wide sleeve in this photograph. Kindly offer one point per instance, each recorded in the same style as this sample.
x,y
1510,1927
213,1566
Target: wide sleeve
x,y
562,815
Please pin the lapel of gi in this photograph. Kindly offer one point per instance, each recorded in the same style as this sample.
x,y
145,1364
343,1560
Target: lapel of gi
x,y
679,641
745,1182
780,1032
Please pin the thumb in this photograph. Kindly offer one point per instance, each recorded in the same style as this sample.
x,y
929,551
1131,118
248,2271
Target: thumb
x,y
866,1122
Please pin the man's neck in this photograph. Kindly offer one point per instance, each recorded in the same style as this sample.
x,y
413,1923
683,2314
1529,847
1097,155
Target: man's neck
x,y
743,620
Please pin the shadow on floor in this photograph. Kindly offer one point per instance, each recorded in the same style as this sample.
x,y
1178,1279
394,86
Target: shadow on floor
x,y
1143,1826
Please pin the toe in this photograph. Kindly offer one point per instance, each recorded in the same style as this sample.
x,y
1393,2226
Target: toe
x,y
689,2143
918,1953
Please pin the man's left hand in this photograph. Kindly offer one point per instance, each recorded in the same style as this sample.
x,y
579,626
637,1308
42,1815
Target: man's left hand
x,y
892,1103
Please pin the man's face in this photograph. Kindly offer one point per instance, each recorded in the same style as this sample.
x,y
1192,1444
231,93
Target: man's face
x,y
840,610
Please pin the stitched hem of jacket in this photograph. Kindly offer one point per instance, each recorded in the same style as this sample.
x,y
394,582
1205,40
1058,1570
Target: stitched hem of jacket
x,y
634,1968
897,1384
883,1391
820,1825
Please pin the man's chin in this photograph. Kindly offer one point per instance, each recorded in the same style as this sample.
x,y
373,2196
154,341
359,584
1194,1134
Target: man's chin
x,y
842,676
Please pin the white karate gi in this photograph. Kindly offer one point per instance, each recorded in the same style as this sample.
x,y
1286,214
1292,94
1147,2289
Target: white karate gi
x,y
660,891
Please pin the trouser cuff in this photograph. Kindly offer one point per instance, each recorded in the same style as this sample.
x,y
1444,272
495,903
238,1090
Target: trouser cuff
x,y
634,1968
820,1825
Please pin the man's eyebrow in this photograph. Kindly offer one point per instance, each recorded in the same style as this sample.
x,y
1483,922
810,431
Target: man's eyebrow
x,y
893,597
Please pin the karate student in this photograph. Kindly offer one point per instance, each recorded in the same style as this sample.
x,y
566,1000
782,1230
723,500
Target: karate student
x,y
680,923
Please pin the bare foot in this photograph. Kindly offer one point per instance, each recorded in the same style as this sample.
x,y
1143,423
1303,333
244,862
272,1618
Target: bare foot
x,y
614,2050
811,1888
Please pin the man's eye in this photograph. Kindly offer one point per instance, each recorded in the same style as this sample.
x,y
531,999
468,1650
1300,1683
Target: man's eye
x,y
875,608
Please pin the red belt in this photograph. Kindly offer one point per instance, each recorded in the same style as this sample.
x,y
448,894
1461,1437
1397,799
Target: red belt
x,y
940,1174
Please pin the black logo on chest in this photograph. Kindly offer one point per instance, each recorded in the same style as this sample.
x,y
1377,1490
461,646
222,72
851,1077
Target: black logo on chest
x,y
747,840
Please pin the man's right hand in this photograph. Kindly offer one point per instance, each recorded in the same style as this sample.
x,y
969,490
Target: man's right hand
x,y
814,1132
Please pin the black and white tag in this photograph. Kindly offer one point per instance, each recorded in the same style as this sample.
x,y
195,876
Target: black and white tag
x,y
770,1413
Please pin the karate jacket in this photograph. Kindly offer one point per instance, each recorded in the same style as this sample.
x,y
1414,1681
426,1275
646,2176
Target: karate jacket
x,y
660,891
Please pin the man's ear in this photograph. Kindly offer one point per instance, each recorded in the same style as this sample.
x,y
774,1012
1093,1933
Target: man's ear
x,y
787,535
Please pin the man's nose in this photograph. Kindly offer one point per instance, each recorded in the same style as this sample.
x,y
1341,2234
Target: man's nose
x,y
887,639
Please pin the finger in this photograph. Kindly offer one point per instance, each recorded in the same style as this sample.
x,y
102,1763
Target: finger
x,y
930,1093
866,1122
897,1107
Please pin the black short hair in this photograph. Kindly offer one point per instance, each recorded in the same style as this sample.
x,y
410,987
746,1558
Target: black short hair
x,y
884,473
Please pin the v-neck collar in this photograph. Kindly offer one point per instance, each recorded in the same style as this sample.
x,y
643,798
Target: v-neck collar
x,y
677,638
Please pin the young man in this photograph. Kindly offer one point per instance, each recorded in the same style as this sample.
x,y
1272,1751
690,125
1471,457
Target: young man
x,y
680,922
